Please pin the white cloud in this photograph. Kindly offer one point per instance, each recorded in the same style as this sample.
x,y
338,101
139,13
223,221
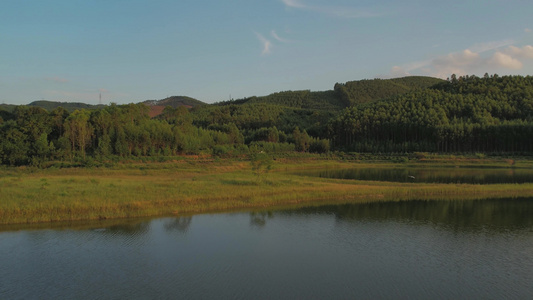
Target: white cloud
x,y
278,38
458,59
489,57
527,30
267,45
398,71
293,3
503,60
335,11
524,52
345,12
454,63
484,47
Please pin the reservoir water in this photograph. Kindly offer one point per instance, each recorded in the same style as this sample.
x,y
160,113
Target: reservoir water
x,y
400,250
429,175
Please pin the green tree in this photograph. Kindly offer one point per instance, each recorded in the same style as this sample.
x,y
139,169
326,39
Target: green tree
x,y
78,131
121,144
260,162
41,150
301,140
104,148
14,146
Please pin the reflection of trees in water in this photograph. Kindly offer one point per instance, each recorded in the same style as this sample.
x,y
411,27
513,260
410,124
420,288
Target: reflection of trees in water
x,y
259,218
437,175
129,228
499,214
180,224
494,214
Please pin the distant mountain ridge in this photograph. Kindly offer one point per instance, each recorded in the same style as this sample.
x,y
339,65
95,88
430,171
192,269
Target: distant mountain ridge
x,y
369,90
157,106
305,99
343,95
175,101
69,106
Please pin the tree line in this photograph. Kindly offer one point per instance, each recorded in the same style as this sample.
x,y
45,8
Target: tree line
x,y
33,136
463,114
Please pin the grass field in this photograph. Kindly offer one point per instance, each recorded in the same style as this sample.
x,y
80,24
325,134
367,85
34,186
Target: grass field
x,y
186,186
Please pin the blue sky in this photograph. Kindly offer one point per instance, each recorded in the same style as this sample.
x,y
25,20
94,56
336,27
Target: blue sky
x,y
135,50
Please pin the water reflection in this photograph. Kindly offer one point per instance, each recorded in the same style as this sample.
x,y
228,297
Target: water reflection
x,y
259,219
433,175
494,214
127,229
417,249
180,224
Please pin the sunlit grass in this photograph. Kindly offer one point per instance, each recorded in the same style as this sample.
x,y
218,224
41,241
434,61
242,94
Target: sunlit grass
x,y
134,190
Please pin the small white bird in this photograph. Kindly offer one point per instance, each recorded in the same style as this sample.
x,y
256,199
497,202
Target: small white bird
x,y
411,176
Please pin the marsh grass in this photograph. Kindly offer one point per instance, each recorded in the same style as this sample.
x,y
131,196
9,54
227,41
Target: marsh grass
x,y
135,190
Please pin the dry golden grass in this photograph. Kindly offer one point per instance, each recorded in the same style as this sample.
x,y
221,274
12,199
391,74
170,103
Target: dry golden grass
x,y
175,188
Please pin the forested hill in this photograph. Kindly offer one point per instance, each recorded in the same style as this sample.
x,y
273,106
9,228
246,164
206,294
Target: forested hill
x,y
343,94
465,114
364,91
157,106
324,100
69,106
307,110
176,101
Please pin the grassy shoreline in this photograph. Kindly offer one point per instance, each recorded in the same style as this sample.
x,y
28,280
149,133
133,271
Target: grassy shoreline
x,y
193,186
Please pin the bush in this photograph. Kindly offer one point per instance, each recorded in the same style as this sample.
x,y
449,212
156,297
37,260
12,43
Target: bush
x,y
319,146
221,151
272,147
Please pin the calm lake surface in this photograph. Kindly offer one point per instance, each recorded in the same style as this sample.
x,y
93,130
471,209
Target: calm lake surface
x,y
404,250
429,175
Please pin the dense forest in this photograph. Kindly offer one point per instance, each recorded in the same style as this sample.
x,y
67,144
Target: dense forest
x,y
465,114
364,91
462,114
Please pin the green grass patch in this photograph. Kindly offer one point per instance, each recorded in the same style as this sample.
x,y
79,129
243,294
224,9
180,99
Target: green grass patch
x,y
148,189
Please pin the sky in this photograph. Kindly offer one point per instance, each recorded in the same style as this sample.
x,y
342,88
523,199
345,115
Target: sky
x,y
129,51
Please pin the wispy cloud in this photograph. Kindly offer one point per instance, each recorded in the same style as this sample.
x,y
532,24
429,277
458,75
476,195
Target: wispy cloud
x,y
331,10
395,72
267,44
489,57
489,46
505,61
294,3
455,63
524,52
278,38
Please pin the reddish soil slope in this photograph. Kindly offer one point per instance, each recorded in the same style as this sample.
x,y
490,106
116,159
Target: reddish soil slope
x,y
156,110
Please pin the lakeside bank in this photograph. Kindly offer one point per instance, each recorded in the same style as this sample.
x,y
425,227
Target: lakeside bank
x,y
135,189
